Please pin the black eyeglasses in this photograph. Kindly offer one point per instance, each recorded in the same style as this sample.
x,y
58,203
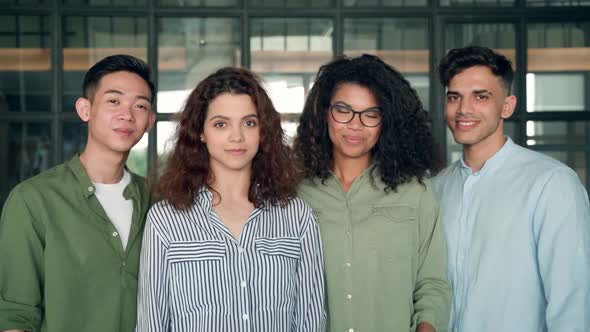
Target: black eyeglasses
x,y
344,114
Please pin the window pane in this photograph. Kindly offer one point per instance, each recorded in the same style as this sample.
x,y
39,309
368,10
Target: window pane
x,y
385,3
558,132
287,52
558,67
25,64
402,43
455,151
190,50
198,3
75,135
165,141
476,3
105,2
25,151
557,3
290,3
88,40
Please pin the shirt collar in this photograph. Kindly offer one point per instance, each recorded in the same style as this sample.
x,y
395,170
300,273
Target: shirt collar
x,y
86,185
493,162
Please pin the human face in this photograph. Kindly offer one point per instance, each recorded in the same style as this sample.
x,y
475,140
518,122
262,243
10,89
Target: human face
x,y
231,133
353,140
119,113
476,105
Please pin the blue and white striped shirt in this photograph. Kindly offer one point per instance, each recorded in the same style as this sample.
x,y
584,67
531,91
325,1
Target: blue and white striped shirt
x,y
195,276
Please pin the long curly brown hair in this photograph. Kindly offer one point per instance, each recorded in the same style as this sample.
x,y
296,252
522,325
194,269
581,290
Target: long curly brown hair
x,y
273,178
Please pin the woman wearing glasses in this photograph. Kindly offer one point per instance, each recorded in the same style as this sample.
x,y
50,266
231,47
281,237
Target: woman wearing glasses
x,y
367,152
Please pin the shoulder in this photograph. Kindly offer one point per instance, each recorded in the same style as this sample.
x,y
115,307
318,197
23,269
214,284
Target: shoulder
x,y
539,167
47,181
296,212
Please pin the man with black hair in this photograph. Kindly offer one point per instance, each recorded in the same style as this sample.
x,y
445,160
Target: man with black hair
x,y
517,223
70,237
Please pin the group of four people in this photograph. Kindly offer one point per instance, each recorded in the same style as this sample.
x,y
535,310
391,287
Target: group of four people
x,y
341,232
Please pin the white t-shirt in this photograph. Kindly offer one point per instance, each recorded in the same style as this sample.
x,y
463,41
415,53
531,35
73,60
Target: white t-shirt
x,y
118,209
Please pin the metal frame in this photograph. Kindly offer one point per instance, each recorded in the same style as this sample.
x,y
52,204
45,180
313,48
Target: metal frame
x,y
436,15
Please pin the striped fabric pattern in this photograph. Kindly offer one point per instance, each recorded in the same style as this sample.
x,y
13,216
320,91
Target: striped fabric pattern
x,y
195,276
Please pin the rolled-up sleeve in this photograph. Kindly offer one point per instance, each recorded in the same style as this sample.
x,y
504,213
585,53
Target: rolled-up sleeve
x,y
432,293
21,265
310,312
153,298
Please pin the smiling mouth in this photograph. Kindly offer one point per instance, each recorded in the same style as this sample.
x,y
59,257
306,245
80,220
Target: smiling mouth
x,y
466,124
353,140
124,132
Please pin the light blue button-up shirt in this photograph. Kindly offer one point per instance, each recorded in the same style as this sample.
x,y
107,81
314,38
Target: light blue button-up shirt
x,y
518,239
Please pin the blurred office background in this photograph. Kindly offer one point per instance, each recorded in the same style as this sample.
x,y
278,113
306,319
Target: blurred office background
x,y
46,46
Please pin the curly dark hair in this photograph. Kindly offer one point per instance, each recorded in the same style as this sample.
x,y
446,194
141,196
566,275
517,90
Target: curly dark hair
x,y
459,59
273,178
405,148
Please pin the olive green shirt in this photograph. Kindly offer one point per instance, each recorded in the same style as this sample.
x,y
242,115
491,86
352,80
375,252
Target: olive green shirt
x,y
384,254
62,265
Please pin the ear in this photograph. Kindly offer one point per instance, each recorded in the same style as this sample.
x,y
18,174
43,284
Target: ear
x,y
508,107
151,121
83,106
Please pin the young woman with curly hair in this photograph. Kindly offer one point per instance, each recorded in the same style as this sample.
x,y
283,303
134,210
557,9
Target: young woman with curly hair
x,y
228,246
365,147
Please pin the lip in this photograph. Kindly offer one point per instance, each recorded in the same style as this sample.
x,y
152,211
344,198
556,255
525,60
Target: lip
x,y
466,124
236,152
353,139
124,131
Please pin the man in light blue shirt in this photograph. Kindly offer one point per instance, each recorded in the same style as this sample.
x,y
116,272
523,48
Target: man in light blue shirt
x,y
517,223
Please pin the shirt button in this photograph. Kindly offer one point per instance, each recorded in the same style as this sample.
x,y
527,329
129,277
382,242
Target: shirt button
x,y
90,189
350,330
348,264
115,234
243,284
124,264
349,296
245,317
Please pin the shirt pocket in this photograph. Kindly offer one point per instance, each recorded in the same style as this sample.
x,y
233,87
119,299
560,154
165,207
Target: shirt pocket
x,y
277,273
393,231
212,250
196,276
288,247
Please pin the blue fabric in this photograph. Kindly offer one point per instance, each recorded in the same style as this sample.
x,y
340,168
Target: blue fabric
x,y
518,239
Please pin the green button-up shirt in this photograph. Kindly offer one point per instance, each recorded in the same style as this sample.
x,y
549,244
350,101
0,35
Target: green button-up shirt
x,y
62,265
384,254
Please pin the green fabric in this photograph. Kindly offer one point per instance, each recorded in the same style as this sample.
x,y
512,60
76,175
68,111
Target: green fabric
x,y
395,247
62,264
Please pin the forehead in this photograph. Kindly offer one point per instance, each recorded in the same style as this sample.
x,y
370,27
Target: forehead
x,y
475,78
231,105
125,82
355,95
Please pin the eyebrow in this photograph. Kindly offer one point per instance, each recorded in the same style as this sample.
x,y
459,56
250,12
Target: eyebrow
x,y
223,117
118,92
366,109
483,91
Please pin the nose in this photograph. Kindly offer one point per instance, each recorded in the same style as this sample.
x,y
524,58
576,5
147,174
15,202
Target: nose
x,y
126,113
236,134
355,123
465,106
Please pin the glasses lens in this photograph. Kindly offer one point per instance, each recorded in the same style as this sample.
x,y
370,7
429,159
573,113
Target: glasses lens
x,y
341,113
371,118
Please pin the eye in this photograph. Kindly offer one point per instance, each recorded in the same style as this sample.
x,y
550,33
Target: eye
x,y
141,106
113,101
482,97
219,124
341,109
250,123
452,98
372,115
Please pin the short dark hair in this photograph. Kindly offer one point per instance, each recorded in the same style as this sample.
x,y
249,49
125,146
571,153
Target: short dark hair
x,y
113,64
405,150
459,59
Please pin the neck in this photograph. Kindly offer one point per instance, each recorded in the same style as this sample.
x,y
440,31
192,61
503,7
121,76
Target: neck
x,y
475,156
233,186
348,169
103,167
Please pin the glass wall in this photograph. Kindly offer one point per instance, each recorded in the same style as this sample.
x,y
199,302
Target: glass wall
x,y
46,46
